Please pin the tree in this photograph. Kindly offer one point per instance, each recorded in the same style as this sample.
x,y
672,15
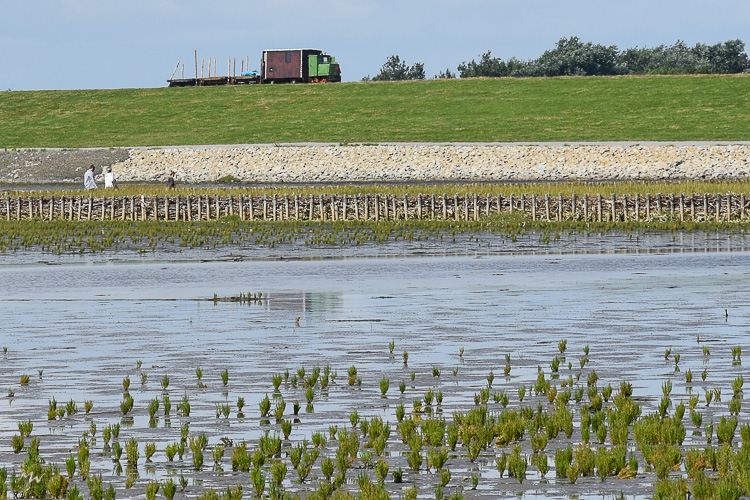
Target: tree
x,y
573,57
487,66
395,69
445,74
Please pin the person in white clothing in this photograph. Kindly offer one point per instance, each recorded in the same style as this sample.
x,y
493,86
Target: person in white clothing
x,y
88,178
109,179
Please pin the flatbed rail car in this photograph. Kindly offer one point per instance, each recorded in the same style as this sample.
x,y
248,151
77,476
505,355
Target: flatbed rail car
x,y
277,66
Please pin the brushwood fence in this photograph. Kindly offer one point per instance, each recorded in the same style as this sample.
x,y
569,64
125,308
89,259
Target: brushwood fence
x,y
335,207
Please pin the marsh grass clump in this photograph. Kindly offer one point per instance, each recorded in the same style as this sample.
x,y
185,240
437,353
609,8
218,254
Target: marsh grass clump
x,y
264,406
149,450
131,452
384,385
276,381
25,428
184,406
152,488
225,377
17,443
126,404
168,488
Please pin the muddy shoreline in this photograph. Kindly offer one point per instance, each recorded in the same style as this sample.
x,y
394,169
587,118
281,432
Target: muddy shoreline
x,y
94,319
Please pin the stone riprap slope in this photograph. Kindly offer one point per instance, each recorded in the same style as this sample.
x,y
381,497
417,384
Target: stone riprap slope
x,y
390,163
429,163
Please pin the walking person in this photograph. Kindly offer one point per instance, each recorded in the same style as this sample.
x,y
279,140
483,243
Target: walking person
x,y
88,179
109,179
170,180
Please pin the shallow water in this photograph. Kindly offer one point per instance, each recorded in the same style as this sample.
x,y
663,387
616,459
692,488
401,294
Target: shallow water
x,y
86,322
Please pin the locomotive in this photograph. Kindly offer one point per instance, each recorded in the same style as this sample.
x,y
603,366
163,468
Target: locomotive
x,y
276,66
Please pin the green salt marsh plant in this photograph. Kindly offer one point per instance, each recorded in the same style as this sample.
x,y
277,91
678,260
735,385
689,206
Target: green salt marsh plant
x,y
165,382
116,451
225,377
126,383
70,466
521,392
149,450
184,406
131,452
240,406
17,443
737,355
381,470
725,429
25,379
384,385
296,407
402,386
286,428
506,370
352,372
405,357
264,406
391,346
144,378
152,488
279,409
258,480
171,451
153,407
309,395
704,374
278,472
735,405
71,408
276,381
555,364
168,489
696,418
435,371
25,428
689,376
737,384
562,345
126,404
217,453
517,464
167,403
490,378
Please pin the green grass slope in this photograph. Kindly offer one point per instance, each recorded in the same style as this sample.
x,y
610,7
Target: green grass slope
x,y
660,108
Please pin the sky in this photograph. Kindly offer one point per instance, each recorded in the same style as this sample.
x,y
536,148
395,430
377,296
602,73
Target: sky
x,y
83,44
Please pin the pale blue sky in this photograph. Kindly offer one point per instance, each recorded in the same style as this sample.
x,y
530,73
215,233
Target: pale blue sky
x,y
69,44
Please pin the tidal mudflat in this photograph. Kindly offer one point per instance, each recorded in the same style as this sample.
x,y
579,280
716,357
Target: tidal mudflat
x,y
471,328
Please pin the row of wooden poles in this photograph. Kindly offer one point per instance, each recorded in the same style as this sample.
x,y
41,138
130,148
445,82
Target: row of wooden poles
x,y
334,207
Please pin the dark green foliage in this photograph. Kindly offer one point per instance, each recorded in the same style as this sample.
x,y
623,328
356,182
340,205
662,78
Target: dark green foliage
x,y
395,69
572,57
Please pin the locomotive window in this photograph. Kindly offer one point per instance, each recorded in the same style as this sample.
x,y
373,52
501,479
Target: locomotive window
x,y
288,57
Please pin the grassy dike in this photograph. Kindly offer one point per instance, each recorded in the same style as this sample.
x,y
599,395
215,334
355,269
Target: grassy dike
x,y
654,108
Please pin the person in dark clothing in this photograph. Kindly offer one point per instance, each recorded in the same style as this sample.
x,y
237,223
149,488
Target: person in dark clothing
x,y
170,180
